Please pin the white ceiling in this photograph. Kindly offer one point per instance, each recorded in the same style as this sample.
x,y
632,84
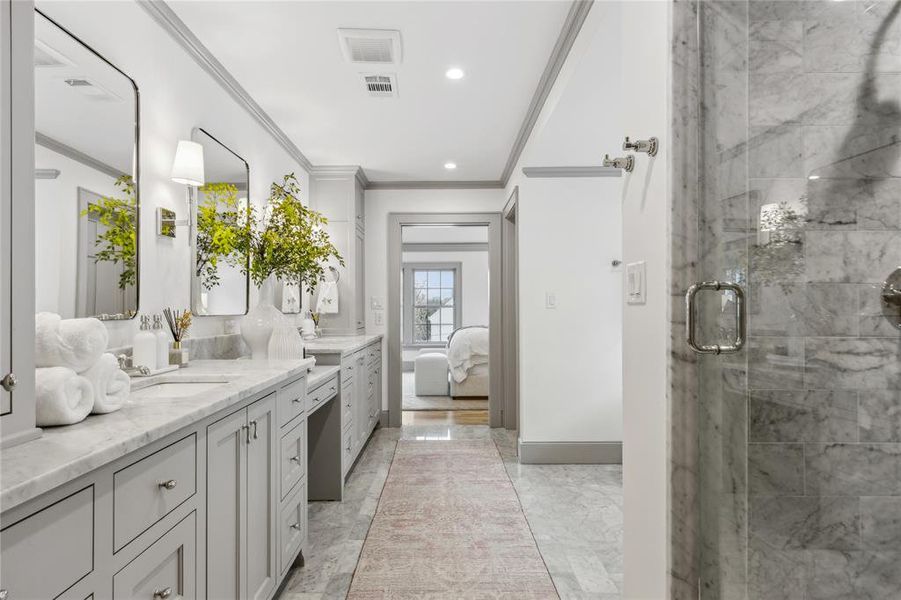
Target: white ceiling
x,y
287,56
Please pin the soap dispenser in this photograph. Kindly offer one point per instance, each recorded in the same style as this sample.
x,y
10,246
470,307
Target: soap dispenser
x,y
143,352
162,342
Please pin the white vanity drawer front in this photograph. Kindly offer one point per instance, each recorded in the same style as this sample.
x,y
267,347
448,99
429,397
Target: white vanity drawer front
x,y
148,490
374,354
167,570
293,457
292,401
46,553
324,392
348,368
293,523
347,449
347,405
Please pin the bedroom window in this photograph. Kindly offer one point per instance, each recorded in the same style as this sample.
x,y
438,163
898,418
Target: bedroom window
x,y
432,303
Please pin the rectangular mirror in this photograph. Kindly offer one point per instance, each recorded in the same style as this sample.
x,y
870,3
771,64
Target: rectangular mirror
x,y
219,287
86,179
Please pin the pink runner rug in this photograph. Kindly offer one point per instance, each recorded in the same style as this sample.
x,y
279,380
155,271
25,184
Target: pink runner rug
x,y
449,525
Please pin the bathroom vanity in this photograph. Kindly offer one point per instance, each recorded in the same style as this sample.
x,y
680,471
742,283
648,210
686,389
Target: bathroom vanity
x,y
196,489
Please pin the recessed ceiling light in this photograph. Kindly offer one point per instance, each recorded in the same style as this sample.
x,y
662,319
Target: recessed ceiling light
x,y
450,166
454,73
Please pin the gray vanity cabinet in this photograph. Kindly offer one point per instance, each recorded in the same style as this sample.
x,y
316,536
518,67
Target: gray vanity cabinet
x,y
241,503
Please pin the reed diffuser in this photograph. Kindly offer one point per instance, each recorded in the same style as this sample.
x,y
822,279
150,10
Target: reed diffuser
x,y
179,323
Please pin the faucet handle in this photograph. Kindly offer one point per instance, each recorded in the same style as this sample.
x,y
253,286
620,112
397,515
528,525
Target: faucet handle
x,y
122,360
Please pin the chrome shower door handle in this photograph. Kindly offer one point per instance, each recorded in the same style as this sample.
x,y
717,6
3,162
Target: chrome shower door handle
x,y
691,317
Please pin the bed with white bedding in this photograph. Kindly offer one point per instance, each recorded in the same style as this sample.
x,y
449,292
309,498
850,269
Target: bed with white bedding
x,y
467,358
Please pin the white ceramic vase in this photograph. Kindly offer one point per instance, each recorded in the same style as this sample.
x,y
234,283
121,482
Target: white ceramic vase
x,y
285,342
258,323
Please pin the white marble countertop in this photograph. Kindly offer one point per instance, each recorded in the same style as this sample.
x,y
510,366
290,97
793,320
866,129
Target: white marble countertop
x,y
319,374
63,454
340,344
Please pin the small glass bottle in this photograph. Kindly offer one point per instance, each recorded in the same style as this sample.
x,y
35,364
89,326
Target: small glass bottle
x,y
162,342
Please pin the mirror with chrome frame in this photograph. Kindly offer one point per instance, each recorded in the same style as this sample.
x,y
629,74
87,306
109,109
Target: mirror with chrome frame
x,y
220,285
86,194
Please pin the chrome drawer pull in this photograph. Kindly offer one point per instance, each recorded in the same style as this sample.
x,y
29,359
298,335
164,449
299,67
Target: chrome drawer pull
x,y
296,459
691,317
296,400
162,594
296,527
169,485
255,436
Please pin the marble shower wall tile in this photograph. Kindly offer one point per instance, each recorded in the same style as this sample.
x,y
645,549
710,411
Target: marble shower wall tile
x,y
879,415
805,522
852,363
776,469
851,256
853,469
880,523
803,416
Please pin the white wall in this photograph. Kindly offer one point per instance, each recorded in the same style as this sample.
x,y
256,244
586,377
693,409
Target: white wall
x,y
176,95
569,231
381,203
646,212
56,213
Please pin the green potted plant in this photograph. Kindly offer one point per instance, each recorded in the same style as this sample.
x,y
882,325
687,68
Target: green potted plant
x,y
285,240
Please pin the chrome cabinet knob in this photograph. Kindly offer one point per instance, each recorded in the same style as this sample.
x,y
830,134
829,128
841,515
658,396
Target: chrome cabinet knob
x,y
9,383
4,594
296,459
296,527
169,485
162,594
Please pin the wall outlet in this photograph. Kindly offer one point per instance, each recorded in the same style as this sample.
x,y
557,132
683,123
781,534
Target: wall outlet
x,y
550,300
378,317
376,303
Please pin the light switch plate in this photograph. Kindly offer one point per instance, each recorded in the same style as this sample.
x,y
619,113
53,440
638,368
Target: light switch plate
x,y
378,317
376,303
636,283
550,300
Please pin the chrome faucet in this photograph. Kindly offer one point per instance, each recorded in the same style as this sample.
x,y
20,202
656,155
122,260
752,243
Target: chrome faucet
x,y
626,163
130,369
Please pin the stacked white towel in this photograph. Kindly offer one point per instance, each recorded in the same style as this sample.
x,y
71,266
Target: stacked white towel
x,y
73,343
62,397
111,384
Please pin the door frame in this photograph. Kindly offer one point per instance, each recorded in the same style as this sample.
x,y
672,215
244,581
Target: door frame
x,y
511,312
396,223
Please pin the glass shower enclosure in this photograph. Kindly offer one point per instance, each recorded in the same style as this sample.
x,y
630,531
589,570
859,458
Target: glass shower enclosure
x,y
786,451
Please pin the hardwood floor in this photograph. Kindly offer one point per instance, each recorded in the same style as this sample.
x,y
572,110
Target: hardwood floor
x,y
445,417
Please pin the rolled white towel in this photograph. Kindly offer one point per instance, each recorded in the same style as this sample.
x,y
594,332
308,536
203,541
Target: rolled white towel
x,y
62,397
73,343
110,383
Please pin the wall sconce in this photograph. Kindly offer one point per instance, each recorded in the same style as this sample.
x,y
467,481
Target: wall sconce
x,y
187,168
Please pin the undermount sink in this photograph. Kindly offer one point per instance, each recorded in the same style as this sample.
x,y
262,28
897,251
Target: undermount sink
x,y
172,387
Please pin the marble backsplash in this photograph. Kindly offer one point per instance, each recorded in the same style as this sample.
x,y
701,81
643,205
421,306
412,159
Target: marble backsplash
x,y
216,347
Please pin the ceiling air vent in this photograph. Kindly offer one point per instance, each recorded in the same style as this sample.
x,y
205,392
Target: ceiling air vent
x,y
92,90
370,46
45,56
380,86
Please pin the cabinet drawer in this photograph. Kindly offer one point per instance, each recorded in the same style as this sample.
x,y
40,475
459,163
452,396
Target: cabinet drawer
x,y
321,394
293,524
347,369
293,461
374,354
48,552
148,490
347,405
165,570
347,449
292,401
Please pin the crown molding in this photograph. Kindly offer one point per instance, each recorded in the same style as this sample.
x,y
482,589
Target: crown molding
x,y
341,171
77,155
590,171
578,12
435,185
175,27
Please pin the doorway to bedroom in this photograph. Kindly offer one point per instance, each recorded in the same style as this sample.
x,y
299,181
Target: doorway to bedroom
x,y
444,326
445,362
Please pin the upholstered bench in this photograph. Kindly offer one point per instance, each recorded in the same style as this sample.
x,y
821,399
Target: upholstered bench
x,y
430,371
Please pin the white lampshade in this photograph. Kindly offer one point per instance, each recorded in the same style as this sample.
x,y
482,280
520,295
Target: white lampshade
x,y
187,168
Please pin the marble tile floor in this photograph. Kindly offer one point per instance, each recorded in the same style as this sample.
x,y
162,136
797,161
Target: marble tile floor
x,y
574,511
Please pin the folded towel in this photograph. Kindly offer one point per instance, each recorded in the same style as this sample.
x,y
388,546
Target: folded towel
x,y
327,304
110,383
291,298
62,397
73,343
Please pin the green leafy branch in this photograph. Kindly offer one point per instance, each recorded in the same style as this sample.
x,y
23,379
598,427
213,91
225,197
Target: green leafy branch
x,y
118,243
222,232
